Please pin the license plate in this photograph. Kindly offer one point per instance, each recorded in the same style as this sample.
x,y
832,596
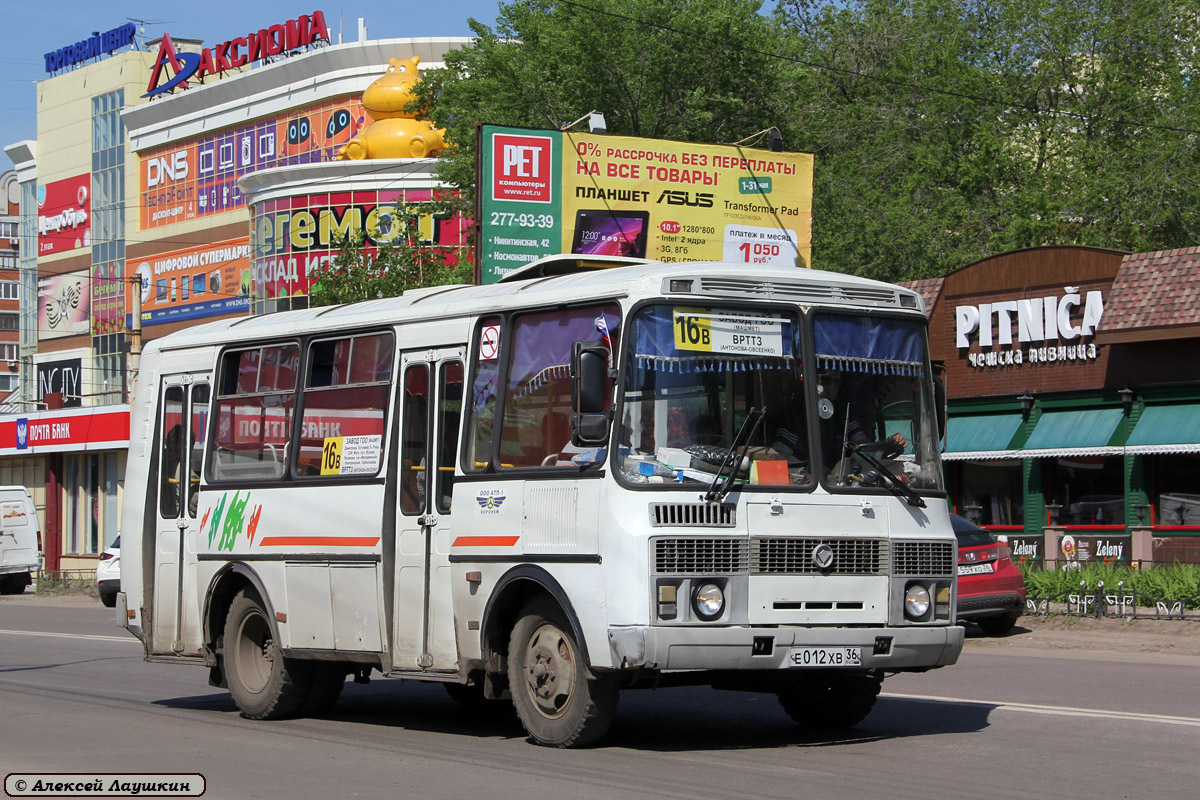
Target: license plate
x,y
974,569
825,657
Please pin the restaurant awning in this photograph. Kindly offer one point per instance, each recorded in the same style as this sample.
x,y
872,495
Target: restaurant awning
x,y
1166,429
1074,433
981,436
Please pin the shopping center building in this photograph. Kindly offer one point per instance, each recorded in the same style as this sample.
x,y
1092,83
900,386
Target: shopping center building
x,y
135,184
1074,400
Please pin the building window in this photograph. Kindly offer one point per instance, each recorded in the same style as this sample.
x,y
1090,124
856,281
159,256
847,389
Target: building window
x,y
8,260
90,487
10,321
8,381
8,230
9,351
9,290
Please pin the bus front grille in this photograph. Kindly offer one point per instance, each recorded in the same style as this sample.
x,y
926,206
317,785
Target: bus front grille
x,y
700,556
795,556
923,558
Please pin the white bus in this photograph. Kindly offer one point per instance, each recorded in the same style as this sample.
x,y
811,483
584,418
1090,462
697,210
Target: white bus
x,y
596,474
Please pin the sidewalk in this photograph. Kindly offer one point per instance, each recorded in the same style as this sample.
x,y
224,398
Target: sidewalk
x,y
1106,634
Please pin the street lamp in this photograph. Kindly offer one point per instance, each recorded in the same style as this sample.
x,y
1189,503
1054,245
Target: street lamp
x,y
974,512
1026,400
1126,399
1141,512
1053,509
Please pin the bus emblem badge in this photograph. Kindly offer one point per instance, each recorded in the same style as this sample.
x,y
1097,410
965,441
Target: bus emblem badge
x,y
822,556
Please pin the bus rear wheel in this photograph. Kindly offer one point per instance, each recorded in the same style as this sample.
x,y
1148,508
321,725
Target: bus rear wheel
x,y
825,701
557,700
264,684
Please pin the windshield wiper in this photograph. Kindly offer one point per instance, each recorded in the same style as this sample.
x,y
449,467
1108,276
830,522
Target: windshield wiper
x,y
898,486
735,453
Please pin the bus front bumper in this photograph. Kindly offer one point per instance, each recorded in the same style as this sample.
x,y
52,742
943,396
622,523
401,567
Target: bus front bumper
x,y
742,648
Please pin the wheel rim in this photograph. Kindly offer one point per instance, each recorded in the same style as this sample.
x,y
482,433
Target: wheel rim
x,y
550,670
254,652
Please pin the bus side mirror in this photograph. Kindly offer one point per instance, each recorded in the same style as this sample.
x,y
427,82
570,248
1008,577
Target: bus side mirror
x,y
589,377
589,381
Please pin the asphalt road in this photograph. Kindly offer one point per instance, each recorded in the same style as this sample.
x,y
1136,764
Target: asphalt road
x,y
1016,721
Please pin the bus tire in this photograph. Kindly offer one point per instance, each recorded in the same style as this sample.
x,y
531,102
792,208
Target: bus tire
x,y
559,703
825,701
325,686
264,684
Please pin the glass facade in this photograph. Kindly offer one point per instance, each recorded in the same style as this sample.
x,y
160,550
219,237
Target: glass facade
x,y
108,250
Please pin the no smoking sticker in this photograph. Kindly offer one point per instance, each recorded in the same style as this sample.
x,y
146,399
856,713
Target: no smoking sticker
x,y
489,343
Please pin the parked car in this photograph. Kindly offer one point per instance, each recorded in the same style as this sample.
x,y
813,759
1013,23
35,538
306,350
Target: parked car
x,y
991,590
108,573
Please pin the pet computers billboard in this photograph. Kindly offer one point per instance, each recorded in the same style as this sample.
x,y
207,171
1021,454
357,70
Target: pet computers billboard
x,y
549,192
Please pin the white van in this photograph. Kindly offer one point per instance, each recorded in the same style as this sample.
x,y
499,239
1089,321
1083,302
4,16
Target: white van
x,y
20,539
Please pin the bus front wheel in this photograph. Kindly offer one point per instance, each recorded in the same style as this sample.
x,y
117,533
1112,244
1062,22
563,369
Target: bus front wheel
x,y
559,703
264,684
829,700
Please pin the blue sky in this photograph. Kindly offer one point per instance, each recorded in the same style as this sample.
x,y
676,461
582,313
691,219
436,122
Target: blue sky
x,y
35,28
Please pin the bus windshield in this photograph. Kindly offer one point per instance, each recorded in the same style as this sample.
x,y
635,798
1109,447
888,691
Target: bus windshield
x,y
697,375
875,402
694,376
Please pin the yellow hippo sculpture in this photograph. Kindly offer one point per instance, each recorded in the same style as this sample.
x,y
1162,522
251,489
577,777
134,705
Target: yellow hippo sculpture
x,y
394,132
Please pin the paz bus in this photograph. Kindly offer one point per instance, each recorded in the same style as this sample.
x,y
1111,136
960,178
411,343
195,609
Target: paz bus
x,y
597,474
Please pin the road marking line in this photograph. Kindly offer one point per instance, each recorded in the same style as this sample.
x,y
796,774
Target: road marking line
x,y
73,636
1064,711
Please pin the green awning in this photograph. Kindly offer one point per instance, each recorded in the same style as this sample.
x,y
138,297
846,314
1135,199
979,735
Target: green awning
x,y
1166,429
981,436
1075,433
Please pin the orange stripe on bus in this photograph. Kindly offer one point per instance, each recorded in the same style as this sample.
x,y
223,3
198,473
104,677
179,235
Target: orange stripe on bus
x,y
485,541
336,541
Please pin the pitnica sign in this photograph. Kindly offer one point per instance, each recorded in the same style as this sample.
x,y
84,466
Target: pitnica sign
x,y
254,46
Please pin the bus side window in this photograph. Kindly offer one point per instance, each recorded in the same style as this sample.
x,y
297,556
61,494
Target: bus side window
x,y
345,403
256,398
481,413
537,398
171,458
450,405
413,438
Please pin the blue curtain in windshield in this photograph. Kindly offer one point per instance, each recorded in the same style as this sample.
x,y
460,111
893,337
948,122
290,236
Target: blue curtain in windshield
x,y
657,339
874,345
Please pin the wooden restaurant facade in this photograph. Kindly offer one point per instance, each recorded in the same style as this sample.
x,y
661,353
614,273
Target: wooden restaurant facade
x,y
1073,383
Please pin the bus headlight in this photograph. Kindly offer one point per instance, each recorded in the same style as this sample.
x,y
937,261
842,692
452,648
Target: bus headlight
x,y
708,601
916,602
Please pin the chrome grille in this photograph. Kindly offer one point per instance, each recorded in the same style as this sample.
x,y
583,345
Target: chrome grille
x,y
923,558
711,556
707,515
794,556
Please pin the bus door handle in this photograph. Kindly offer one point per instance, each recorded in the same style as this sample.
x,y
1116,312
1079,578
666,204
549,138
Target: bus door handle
x,y
427,520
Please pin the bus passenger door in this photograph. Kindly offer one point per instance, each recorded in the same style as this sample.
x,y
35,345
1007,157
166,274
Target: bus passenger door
x,y
430,399
182,425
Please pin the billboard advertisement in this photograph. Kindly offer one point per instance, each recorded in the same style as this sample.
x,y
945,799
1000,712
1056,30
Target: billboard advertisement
x,y
64,305
197,178
64,215
108,298
197,281
547,192
292,238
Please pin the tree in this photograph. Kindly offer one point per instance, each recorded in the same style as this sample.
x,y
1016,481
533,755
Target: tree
x,y
364,270
947,131
671,69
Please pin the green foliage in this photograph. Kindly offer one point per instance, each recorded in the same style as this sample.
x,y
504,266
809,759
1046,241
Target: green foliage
x,y
947,131
690,70
359,272
1166,583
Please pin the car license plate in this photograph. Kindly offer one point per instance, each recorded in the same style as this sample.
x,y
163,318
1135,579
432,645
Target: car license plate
x,y
974,569
825,657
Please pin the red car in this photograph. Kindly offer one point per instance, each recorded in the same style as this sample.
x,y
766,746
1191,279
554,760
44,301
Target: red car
x,y
991,590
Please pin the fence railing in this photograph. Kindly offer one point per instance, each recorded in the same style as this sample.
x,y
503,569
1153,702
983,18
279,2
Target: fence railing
x,y
1118,601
